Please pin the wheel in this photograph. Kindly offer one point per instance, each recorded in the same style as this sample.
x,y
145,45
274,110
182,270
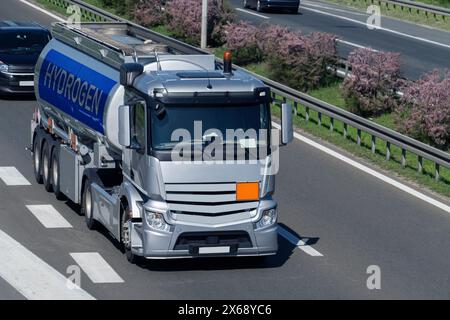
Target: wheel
x,y
55,175
125,235
37,168
245,4
258,6
46,167
87,206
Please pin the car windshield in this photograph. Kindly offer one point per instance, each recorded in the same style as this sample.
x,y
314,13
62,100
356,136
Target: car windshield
x,y
246,126
23,41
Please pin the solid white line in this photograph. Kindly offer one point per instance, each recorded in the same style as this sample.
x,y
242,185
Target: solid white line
x,y
370,171
298,242
54,16
12,177
380,28
32,277
252,13
49,216
355,45
96,268
332,8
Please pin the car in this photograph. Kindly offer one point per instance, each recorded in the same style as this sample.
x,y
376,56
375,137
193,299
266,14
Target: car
x,y
260,5
20,46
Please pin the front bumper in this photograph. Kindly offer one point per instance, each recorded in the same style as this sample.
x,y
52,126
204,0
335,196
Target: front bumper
x,y
16,84
184,240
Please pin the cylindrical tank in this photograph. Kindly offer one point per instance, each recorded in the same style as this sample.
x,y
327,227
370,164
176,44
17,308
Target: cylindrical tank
x,y
79,91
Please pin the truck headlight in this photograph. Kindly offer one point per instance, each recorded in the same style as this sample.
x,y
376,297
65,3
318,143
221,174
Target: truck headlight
x,y
268,218
156,221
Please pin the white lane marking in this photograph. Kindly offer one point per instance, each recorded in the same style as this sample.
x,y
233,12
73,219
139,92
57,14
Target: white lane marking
x,y
96,268
299,243
332,8
252,13
12,177
54,16
48,216
380,28
32,277
370,171
355,45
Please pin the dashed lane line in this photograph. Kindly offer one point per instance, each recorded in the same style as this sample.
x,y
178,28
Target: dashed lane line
x,y
96,268
12,177
48,216
32,277
299,243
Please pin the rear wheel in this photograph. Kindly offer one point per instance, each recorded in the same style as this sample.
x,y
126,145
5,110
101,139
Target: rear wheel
x,y
125,235
55,174
46,166
87,206
245,4
37,167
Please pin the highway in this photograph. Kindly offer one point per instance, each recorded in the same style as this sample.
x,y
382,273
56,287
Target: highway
x,y
422,49
347,220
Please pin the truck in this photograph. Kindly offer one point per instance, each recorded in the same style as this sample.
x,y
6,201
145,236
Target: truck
x,y
121,128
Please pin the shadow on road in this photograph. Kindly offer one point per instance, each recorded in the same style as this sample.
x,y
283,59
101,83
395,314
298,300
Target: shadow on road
x,y
18,97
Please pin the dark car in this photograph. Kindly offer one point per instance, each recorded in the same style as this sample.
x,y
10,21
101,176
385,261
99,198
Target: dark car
x,y
20,46
260,5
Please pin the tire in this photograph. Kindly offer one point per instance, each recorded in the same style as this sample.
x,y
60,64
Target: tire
x,y
87,206
125,236
258,6
56,174
245,4
37,163
293,11
46,167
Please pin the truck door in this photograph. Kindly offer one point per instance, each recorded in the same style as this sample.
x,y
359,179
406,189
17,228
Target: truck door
x,y
139,142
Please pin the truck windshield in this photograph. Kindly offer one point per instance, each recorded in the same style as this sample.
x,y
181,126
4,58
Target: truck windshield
x,y
244,125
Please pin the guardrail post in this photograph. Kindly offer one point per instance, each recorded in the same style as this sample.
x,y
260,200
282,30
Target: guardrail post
x,y
419,164
374,144
403,157
358,137
319,119
436,171
295,108
345,130
331,124
307,114
388,150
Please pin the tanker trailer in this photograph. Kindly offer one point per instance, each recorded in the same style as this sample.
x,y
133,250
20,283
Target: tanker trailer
x,y
122,128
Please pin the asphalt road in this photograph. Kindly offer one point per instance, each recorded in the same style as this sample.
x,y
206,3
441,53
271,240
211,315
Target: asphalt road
x,y
351,218
417,56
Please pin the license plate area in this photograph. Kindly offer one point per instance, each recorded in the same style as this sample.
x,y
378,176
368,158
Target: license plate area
x,y
205,250
26,83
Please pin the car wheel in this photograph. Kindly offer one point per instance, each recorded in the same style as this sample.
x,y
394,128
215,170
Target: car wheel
x,y
87,207
37,167
245,4
125,235
46,167
55,175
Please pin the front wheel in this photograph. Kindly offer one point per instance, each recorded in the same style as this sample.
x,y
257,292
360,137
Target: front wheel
x,y
258,6
125,235
245,4
87,206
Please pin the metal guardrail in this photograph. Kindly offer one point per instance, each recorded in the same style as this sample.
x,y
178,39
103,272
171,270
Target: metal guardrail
x,y
391,137
413,5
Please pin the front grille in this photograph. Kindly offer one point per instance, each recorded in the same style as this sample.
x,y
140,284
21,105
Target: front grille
x,y
206,199
20,69
241,239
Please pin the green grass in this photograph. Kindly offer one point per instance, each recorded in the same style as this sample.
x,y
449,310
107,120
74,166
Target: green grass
x,y
411,16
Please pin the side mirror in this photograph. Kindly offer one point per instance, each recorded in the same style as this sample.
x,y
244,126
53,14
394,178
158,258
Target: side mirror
x,y
287,129
124,126
129,72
